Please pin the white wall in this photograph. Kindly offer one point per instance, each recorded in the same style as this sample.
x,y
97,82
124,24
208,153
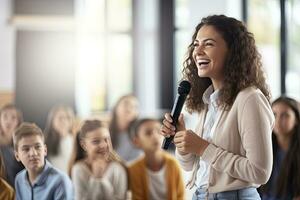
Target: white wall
x,y
7,65
202,8
147,77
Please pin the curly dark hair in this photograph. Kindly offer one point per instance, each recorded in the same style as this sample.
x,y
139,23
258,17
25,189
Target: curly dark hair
x,y
243,66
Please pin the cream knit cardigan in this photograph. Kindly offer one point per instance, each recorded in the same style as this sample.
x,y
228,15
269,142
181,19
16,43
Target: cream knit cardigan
x,y
240,154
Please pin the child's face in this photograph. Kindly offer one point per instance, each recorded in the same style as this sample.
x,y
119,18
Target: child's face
x,y
9,122
62,122
127,109
97,143
148,137
31,152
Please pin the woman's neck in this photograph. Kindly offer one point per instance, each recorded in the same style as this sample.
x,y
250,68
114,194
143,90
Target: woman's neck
x,y
284,141
90,159
64,133
122,126
217,84
154,160
4,139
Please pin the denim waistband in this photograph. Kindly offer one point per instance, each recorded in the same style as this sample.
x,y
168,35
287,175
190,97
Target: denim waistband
x,y
245,193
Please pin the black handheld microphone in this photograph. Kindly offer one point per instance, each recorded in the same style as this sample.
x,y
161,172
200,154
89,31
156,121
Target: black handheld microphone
x,y
183,90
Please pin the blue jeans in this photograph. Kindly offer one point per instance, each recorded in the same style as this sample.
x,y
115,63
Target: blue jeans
x,y
242,194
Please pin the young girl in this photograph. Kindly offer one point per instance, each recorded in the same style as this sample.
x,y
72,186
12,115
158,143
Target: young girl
x,y
124,113
10,119
96,171
6,191
285,179
59,136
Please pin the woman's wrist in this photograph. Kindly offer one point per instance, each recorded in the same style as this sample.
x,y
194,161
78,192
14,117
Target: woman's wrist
x,y
182,153
203,145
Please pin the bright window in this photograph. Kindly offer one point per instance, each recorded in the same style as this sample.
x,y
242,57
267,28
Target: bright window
x,y
104,56
264,23
293,63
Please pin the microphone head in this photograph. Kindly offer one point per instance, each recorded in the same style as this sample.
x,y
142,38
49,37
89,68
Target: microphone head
x,y
184,87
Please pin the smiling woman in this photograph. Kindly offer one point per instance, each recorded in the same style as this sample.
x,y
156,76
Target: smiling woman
x,y
210,51
230,152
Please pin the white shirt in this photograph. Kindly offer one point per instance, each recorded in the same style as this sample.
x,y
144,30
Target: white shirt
x,y
210,97
157,184
61,160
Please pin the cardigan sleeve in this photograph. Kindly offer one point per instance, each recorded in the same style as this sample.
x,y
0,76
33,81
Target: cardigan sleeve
x,y
255,123
137,181
118,181
78,177
7,191
180,184
186,161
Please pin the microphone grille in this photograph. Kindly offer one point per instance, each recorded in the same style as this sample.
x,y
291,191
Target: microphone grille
x,y
184,87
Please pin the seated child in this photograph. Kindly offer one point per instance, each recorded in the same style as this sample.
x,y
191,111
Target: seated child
x,y
157,174
6,191
39,179
97,172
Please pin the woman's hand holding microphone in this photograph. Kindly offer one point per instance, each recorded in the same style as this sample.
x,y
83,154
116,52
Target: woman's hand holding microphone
x,y
186,141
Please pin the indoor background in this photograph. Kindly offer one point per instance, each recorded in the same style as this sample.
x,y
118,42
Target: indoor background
x,y
88,53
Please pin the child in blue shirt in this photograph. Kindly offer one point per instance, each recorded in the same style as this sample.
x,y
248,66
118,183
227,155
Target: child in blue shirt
x,y
39,179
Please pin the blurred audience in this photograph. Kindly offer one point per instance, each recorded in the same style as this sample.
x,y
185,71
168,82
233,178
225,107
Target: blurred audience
x,y
124,113
10,118
59,136
284,183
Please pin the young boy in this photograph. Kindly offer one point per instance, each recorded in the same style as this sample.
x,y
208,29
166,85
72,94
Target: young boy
x,y
39,180
157,174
